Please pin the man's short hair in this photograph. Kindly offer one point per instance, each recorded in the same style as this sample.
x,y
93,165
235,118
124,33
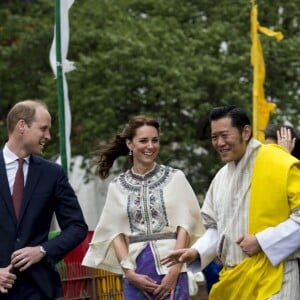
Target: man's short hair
x,y
238,116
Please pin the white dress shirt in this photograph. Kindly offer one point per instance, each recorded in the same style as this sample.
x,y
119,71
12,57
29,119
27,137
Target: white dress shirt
x,y
11,165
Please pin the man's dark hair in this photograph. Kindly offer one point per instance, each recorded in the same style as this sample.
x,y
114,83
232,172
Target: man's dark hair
x,y
238,116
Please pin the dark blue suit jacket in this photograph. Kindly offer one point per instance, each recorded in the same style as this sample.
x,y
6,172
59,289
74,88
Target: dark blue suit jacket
x,y
47,191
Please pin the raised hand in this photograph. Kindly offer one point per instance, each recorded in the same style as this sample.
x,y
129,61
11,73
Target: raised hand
x,y
285,139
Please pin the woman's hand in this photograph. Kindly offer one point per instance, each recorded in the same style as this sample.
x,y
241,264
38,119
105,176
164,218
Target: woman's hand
x,y
168,284
285,139
142,282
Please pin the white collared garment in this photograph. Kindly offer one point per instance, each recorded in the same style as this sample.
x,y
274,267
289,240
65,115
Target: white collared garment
x,y
157,202
225,212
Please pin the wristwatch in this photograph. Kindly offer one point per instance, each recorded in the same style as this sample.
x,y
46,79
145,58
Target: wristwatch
x,y
42,250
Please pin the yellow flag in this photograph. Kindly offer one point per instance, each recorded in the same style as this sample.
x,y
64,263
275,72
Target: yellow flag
x,y
261,108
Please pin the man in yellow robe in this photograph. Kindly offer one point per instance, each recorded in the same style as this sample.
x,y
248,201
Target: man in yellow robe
x,y
252,215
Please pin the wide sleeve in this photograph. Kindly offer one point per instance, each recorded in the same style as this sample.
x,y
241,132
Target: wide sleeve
x,y
206,247
284,239
183,208
113,221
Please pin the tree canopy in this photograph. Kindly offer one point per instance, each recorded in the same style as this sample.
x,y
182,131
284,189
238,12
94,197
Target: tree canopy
x,y
174,60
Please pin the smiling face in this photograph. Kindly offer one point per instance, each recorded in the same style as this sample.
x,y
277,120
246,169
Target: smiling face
x,y
36,134
145,147
30,138
229,141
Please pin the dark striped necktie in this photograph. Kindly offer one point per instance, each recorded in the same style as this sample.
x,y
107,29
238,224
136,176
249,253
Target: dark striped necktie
x,y
18,188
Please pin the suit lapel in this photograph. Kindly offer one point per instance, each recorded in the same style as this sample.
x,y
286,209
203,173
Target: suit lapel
x,y
4,188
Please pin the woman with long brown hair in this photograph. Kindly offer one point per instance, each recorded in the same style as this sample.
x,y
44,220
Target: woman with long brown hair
x,y
150,209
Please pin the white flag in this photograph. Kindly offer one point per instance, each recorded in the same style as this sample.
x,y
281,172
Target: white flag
x,y
67,66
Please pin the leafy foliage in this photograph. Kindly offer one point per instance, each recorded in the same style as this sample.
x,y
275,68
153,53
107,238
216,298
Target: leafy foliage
x,y
171,59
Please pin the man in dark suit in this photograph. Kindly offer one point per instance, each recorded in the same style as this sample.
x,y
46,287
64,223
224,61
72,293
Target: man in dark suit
x,y
27,256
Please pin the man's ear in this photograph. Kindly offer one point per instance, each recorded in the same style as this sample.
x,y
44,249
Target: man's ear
x,y
21,125
247,131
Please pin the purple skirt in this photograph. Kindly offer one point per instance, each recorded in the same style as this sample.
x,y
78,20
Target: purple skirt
x,y
145,265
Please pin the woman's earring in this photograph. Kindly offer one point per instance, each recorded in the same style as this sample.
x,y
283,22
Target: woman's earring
x,y
130,153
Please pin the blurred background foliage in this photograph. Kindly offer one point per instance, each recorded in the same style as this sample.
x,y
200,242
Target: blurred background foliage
x,y
174,60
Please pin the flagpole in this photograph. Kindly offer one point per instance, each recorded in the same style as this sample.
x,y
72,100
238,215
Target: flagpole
x,y
255,63
60,89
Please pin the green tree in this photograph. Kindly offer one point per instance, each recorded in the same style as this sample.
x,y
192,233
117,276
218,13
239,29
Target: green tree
x,y
25,36
171,59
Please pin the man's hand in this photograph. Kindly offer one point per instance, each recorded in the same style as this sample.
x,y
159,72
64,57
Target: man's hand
x,y
7,279
249,244
185,255
23,258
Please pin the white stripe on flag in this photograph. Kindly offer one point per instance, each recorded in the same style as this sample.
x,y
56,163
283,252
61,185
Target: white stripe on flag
x,y
67,66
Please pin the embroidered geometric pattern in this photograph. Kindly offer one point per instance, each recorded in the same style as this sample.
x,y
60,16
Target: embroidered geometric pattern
x,y
146,206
